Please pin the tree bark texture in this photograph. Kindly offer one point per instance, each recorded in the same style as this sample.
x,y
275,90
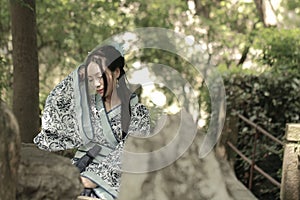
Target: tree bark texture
x,y
266,12
9,153
25,62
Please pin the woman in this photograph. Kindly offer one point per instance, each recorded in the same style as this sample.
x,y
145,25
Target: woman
x,y
94,109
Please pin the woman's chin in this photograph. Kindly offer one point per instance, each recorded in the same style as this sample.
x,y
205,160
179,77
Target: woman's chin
x,y
100,92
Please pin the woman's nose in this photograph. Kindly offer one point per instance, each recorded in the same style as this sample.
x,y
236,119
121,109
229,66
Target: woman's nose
x,y
97,83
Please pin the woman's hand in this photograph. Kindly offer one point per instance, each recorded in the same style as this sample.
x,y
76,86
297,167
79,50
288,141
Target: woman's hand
x,y
87,183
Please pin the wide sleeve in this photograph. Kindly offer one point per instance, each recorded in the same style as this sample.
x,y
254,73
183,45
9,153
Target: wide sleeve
x,y
107,173
140,121
59,129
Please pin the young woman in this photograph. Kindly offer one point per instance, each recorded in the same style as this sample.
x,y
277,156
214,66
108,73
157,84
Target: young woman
x,y
93,110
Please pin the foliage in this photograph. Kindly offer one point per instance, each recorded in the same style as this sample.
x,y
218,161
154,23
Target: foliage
x,y
5,81
65,43
3,76
271,101
290,13
280,48
292,4
68,30
5,54
225,27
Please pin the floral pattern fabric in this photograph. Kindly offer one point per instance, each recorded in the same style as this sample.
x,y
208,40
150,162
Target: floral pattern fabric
x,y
61,131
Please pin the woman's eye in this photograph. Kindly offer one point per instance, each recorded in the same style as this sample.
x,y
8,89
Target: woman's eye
x,y
90,80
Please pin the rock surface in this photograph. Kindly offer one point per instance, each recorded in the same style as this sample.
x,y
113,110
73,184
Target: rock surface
x,y
189,177
45,175
9,153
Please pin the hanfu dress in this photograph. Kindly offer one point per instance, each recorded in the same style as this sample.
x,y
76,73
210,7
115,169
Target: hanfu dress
x,y
75,119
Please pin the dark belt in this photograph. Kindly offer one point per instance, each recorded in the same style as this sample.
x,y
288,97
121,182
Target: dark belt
x,y
85,160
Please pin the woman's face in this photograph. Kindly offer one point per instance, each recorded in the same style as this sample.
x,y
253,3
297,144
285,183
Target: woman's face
x,y
96,82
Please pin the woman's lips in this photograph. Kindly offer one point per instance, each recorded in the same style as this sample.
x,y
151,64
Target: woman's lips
x,y
100,91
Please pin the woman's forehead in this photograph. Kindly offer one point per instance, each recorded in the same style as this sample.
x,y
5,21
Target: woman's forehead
x,y
94,68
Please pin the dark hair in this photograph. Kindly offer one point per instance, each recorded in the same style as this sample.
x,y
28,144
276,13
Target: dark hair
x,y
109,57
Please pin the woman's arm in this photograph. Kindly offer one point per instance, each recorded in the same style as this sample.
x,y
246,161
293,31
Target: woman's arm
x,y
59,126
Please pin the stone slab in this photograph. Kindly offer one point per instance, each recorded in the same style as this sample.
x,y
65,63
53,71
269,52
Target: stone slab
x,y
290,182
293,132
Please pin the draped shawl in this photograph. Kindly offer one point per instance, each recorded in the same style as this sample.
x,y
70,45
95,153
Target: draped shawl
x,y
73,118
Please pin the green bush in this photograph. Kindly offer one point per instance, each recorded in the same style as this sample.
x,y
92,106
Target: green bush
x,y
271,101
280,48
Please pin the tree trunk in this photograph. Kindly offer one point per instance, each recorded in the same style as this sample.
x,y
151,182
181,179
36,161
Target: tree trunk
x,y
25,62
201,9
266,11
9,153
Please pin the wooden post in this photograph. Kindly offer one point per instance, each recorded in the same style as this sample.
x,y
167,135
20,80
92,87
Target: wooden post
x,y
290,182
